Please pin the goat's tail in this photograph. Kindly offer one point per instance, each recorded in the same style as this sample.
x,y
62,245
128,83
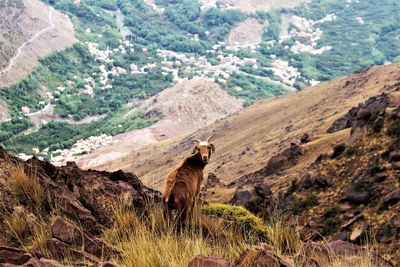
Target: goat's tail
x,y
170,201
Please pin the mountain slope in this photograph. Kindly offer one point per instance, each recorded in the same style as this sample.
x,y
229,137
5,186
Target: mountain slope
x,y
182,108
29,30
247,140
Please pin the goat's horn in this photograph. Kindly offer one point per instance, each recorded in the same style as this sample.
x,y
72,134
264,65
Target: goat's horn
x,y
197,141
209,138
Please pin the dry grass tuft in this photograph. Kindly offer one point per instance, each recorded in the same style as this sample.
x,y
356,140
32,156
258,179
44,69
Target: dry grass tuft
x,y
18,225
150,242
24,228
284,238
26,186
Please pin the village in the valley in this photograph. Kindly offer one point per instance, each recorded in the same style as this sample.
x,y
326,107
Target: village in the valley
x,y
182,67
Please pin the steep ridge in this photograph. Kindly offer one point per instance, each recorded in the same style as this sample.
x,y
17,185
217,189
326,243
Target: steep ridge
x,y
247,140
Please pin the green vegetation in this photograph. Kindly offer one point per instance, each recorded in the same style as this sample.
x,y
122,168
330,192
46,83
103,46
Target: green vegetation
x,y
250,88
239,216
355,45
13,127
332,220
61,135
184,28
300,206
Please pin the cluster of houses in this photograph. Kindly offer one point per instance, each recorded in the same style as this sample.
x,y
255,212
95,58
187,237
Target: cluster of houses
x,y
306,35
200,67
104,57
62,156
286,73
221,4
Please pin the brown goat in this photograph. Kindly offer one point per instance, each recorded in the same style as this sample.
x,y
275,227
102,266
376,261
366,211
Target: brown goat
x,y
182,184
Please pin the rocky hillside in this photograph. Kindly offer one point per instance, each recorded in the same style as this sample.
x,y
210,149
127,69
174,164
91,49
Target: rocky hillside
x,y
327,166
64,216
61,212
326,155
350,194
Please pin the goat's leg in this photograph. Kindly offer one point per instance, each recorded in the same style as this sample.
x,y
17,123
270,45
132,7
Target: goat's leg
x,y
182,216
186,215
167,213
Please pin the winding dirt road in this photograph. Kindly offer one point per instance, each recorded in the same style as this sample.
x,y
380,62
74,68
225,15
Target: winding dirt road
x,y
19,51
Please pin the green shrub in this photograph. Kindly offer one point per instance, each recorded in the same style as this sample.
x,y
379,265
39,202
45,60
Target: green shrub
x,y
239,217
300,206
332,222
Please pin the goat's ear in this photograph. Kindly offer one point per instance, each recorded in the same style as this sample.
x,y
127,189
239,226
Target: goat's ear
x,y
194,150
212,148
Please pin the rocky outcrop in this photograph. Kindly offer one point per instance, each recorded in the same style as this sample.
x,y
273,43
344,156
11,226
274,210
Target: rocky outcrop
x,y
98,192
10,256
84,198
276,164
87,197
261,256
372,111
255,198
67,239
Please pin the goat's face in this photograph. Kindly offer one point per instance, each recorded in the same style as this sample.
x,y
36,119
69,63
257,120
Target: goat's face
x,y
205,149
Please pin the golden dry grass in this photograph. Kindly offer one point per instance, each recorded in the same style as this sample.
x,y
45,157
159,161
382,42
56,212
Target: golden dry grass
x,y
26,229
150,242
26,185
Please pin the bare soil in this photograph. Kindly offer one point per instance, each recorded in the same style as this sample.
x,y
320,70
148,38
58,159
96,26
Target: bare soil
x,y
247,33
33,18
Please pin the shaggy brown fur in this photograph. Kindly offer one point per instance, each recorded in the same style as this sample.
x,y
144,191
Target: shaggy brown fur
x,y
183,183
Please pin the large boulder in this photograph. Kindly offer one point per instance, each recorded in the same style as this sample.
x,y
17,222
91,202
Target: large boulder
x,y
209,261
59,250
361,119
255,198
260,256
355,196
10,256
100,191
77,238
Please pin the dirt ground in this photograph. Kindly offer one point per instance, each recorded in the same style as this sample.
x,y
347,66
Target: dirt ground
x,y
247,33
35,18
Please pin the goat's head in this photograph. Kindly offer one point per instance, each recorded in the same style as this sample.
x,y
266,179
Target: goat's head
x,y
204,148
